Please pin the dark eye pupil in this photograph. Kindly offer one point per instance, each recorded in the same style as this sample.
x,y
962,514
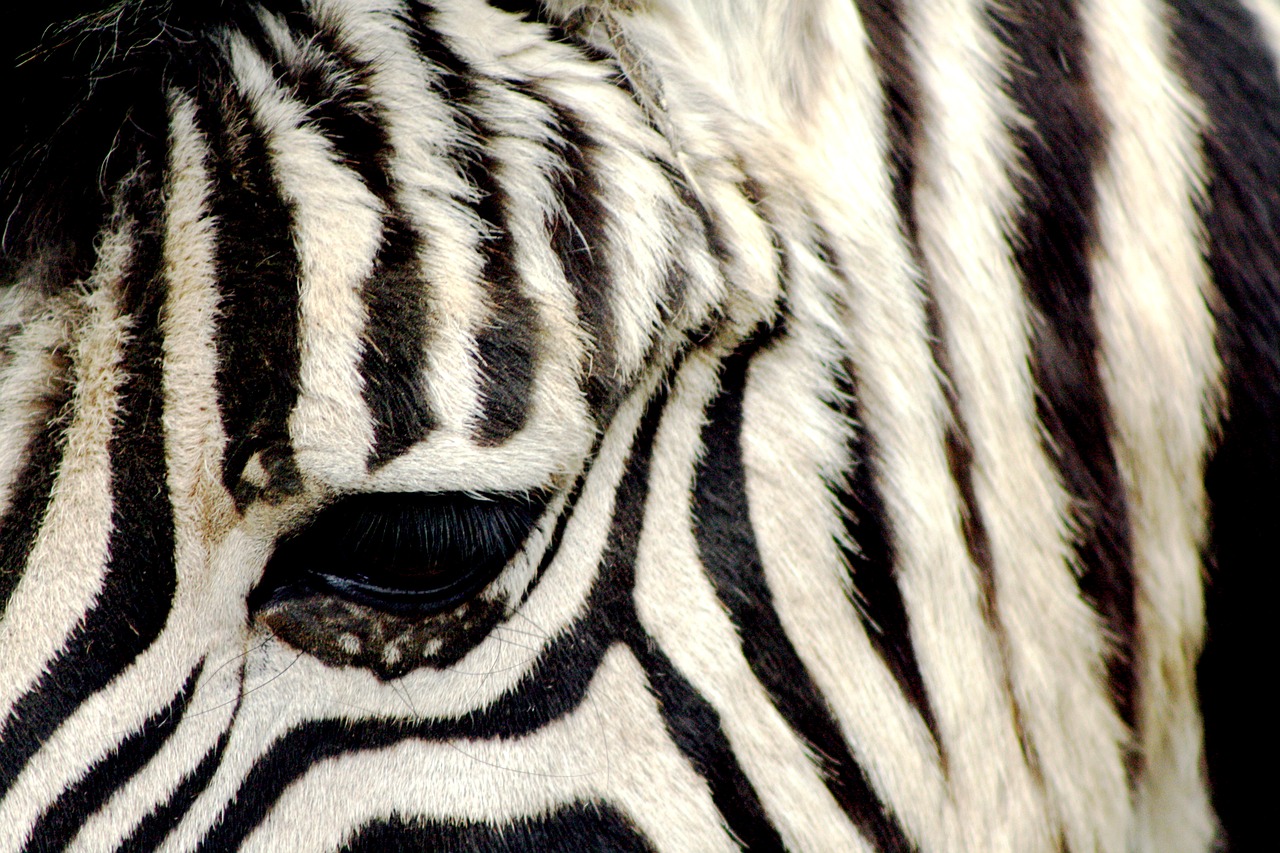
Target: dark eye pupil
x,y
401,552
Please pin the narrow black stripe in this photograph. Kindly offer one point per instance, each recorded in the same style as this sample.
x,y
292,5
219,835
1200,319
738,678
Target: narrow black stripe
x,y
886,32
152,830
62,820
335,86
1232,71
727,547
691,721
578,237
507,344
1055,226
258,273
891,55
584,827
872,560
33,486
138,586
887,39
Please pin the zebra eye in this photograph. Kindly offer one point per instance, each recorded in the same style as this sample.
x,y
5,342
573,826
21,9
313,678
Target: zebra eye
x,y
407,554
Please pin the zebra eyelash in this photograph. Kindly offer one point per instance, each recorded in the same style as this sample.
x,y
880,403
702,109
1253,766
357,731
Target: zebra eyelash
x,y
403,553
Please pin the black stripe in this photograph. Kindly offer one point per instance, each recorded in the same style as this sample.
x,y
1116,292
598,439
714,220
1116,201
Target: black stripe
x,y
556,687
258,273
507,344
727,547
691,721
336,89
579,241
60,822
152,830
889,51
577,828
871,558
137,590
1231,70
1055,226
887,39
33,486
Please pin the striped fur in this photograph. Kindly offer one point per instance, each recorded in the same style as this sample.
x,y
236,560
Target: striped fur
x,y
895,374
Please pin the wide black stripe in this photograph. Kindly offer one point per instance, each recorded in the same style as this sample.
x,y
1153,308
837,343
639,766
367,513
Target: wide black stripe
x,y
335,86
1058,151
258,271
728,550
577,828
138,586
1231,70
33,486
556,687
60,822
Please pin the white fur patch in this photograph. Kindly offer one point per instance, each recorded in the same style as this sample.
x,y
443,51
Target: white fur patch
x,y
31,329
1162,377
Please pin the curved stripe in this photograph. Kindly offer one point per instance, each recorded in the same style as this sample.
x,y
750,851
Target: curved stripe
x,y
59,823
583,827
727,548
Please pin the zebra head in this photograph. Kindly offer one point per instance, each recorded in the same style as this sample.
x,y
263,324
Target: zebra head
x,y
674,426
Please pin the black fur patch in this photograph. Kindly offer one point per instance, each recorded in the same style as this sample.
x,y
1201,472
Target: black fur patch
x,y
258,271
1231,70
578,828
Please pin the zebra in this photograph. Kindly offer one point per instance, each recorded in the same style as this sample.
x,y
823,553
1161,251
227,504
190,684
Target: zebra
x,y
818,425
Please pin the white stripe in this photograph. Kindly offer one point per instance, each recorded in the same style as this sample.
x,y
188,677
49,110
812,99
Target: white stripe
x,y
1268,14
1162,378
613,748
337,226
1053,640
794,447
65,572
678,606
207,618
427,145
32,329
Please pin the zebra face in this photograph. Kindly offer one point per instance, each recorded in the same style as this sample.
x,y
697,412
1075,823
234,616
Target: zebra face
x,y
483,425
